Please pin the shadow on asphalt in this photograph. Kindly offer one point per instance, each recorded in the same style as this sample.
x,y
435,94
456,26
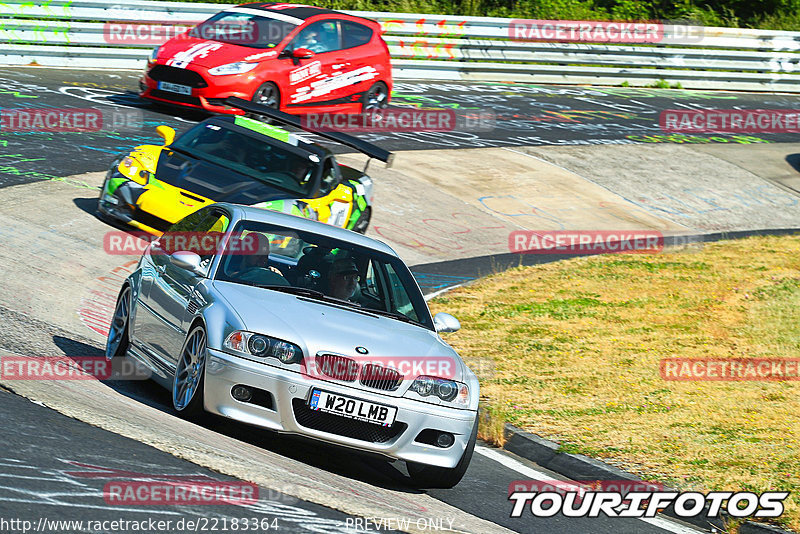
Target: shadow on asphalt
x,y
89,206
794,161
371,469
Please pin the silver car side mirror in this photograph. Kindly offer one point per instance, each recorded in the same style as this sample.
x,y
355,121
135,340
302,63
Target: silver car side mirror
x,y
188,261
444,322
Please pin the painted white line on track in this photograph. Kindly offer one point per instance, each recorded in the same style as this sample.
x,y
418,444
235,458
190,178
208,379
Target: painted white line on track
x,y
435,294
515,465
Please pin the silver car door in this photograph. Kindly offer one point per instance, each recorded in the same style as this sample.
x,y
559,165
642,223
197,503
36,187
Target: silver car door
x,y
159,319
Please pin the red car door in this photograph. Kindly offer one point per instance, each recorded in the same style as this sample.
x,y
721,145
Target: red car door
x,y
360,57
310,82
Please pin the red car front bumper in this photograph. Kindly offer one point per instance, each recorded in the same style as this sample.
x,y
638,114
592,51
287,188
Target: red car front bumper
x,y
207,93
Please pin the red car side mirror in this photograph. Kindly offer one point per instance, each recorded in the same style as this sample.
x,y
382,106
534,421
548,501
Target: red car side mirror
x,y
302,53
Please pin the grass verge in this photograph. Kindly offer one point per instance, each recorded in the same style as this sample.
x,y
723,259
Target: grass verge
x,y
576,347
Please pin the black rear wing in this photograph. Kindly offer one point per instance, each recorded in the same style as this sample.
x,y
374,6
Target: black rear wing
x,y
373,151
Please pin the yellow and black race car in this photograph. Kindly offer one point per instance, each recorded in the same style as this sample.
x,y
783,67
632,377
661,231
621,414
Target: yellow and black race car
x,y
242,160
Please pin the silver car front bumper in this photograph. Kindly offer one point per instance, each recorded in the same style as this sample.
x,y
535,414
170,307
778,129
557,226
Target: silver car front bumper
x,y
290,392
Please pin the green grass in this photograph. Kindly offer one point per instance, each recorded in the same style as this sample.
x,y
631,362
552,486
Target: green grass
x,y
576,347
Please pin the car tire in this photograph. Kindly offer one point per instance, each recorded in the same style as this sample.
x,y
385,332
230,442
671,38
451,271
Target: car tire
x,y
118,339
362,223
189,378
430,476
376,99
268,95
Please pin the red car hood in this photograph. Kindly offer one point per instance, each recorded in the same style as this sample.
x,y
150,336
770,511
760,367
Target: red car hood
x,y
184,51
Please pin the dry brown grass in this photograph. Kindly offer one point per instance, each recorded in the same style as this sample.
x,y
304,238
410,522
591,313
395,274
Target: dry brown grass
x,y
577,345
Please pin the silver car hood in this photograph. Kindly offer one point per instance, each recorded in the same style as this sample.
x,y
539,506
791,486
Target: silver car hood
x,y
321,327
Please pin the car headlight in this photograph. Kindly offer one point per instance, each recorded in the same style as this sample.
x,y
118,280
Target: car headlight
x,y
153,54
261,346
232,68
446,390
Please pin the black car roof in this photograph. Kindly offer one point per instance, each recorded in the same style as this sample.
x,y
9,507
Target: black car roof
x,y
293,10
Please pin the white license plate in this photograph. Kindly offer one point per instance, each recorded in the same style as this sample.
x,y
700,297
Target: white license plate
x,y
361,410
175,88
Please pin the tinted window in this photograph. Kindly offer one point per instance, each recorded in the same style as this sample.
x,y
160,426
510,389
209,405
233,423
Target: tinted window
x,y
215,226
191,222
199,232
319,37
275,164
330,178
354,34
243,29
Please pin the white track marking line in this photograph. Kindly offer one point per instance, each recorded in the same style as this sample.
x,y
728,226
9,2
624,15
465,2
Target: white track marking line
x,y
513,464
435,294
507,461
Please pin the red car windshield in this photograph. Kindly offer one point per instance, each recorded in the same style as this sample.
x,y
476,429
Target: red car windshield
x,y
243,29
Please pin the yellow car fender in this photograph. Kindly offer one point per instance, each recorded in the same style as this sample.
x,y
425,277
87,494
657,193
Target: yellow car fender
x,y
140,163
335,207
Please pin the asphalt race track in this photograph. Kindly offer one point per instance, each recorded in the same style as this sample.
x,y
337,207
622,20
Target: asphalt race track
x,y
55,469
574,146
518,115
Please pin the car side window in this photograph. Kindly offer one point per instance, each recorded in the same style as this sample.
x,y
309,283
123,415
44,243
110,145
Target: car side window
x,y
319,37
398,296
210,233
330,178
175,238
354,34
199,232
370,282
372,288
189,223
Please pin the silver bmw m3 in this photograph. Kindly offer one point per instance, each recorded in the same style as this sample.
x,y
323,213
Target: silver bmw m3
x,y
300,327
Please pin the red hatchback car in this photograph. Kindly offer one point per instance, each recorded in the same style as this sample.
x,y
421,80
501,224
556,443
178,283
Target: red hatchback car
x,y
299,59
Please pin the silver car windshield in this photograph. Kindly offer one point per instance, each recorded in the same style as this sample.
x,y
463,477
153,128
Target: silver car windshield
x,y
322,268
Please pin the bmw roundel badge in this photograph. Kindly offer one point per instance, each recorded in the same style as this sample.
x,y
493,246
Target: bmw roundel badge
x,y
361,350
